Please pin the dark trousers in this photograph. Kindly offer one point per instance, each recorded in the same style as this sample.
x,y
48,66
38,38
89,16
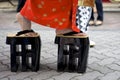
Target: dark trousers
x,y
99,7
20,5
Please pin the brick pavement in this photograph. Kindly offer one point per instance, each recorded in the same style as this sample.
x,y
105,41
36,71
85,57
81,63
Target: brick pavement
x,y
103,61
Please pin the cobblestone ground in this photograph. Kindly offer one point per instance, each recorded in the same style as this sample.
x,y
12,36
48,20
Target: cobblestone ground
x,y
103,61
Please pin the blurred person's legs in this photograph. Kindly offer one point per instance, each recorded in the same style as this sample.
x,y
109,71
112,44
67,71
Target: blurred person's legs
x,y
91,22
20,5
99,20
99,7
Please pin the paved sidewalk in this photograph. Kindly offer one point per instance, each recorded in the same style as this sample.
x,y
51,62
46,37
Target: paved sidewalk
x,y
103,61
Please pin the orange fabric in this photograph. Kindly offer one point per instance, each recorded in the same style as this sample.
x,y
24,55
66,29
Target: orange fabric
x,y
74,10
56,14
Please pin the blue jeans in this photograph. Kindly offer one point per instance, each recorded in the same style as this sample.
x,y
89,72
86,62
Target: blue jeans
x,y
99,7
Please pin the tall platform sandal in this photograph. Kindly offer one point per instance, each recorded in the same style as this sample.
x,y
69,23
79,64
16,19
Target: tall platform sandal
x,y
74,57
24,50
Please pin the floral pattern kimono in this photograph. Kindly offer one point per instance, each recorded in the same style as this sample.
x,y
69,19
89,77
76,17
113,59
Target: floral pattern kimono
x,y
58,14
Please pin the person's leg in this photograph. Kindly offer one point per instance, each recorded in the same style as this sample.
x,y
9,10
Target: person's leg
x,y
25,25
20,5
91,22
92,15
99,7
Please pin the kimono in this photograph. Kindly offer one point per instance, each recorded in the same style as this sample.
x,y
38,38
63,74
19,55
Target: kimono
x,y
58,14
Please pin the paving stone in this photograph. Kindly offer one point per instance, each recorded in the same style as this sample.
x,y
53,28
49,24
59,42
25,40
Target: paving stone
x,y
3,67
66,76
45,75
99,68
112,55
21,75
111,76
97,55
93,60
47,55
5,62
117,62
3,58
6,74
115,67
116,51
88,76
1,55
4,79
50,79
49,60
106,61
27,79
52,66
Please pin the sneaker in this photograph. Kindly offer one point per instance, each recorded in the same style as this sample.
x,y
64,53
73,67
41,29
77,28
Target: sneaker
x,y
91,23
92,43
98,23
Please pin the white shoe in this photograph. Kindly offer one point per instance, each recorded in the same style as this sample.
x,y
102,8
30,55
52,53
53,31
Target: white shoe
x,y
92,43
98,23
91,22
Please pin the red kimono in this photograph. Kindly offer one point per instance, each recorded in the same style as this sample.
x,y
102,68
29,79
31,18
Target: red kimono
x,y
58,14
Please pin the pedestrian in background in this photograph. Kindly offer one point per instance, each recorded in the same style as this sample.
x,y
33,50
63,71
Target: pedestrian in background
x,y
20,5
100,15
